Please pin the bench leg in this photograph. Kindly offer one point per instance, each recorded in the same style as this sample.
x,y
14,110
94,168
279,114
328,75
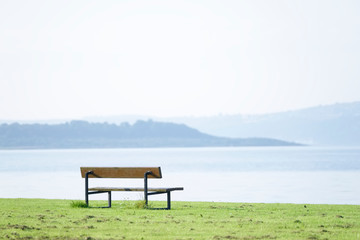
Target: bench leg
x,y
87,198
146,198
87,187
168,200
109,199
97,192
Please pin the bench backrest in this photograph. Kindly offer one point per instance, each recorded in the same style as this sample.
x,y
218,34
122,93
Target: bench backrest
x,y
121,172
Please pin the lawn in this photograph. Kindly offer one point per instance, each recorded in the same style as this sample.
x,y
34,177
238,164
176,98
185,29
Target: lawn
x,y
62,219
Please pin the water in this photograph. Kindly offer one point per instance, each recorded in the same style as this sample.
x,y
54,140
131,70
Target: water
x,y
254,174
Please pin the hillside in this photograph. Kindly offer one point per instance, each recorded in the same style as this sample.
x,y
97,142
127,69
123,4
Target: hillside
x,y
83,134
337,124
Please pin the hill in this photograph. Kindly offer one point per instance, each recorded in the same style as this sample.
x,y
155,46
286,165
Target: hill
x,y
337,124
83,134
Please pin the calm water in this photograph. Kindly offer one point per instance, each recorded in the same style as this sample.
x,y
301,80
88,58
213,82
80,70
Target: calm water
x,y
256,174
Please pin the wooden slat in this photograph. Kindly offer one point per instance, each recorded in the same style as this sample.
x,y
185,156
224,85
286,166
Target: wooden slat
x,y
135,189
121,172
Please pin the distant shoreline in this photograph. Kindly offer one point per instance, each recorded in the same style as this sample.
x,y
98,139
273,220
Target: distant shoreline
x,y
80,148
142,134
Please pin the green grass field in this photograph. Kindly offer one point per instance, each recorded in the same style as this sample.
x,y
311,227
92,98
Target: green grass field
x,y
58,219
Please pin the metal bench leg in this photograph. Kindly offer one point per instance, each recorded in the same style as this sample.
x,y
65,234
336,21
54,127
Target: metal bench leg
x,y
146,187
87,198
87,187
168,200
109,199
146,198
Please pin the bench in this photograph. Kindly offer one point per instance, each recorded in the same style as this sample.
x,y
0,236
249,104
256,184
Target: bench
x,y
125,172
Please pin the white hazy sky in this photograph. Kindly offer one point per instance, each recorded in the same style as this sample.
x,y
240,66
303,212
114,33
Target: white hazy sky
x,y
76,58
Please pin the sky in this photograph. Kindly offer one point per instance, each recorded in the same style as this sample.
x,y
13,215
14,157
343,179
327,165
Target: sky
x,y
78,58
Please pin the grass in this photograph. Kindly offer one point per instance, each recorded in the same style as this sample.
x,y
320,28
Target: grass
x,y
66,219
78,204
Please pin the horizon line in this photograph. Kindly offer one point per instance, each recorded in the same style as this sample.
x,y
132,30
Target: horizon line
x,y
150,117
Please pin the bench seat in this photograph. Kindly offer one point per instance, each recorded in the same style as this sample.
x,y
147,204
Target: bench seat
x,y
134,189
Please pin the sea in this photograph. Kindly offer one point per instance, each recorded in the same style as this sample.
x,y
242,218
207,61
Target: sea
x,y
303,174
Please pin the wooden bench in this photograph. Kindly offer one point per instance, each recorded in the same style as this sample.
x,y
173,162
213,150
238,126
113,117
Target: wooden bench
x,y
125,172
